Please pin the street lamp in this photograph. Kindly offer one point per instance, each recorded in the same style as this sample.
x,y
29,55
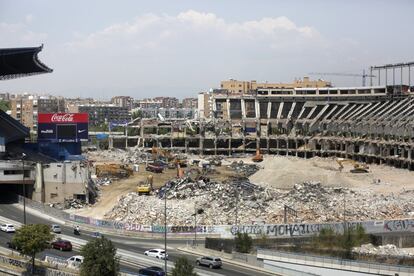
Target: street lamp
x,y
165,230
24,191
196,211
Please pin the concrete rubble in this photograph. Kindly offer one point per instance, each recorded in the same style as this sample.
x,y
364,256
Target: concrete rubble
x,y
313,203
382,250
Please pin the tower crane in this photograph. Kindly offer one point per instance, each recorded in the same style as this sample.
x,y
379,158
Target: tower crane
x,y
363,75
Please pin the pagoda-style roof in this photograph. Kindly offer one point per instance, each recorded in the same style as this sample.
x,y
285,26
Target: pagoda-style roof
x,y
21,62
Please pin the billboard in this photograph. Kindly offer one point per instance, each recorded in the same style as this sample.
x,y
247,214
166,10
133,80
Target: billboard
x,y
62,127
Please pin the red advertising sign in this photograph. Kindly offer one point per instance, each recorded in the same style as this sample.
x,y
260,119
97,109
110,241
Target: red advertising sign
x,y
62,118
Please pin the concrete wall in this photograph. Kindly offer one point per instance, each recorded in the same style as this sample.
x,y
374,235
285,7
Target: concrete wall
x,y
64,180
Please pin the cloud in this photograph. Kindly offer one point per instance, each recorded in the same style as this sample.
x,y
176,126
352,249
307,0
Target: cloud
x,y
19,35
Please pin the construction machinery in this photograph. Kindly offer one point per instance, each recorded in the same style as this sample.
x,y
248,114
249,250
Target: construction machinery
x,y
145,188
113,170
258,157
358,167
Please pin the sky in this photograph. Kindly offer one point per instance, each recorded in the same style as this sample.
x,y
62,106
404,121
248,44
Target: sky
x,y
178,48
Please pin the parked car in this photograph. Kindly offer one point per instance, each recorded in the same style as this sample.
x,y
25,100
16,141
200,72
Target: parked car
x,y
75,261
211,262
151,271
157,253
62,245
8,228
56,229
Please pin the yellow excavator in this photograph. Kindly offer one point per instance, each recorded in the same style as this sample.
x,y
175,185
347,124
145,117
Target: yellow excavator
x,y
145,188
358,167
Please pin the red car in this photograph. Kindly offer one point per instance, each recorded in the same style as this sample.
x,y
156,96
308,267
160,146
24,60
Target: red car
x,y
62,245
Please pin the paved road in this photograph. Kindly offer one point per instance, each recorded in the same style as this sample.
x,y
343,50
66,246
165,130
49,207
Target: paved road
x,y
130,244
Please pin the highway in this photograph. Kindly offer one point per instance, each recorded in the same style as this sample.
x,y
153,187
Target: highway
x,y
130,247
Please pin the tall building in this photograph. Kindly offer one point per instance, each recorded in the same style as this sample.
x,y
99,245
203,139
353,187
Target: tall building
x,y
123,101
105,113
245,87
205,104
26,108
190,103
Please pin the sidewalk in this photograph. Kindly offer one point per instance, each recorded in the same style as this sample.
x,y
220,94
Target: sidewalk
x,y
226,257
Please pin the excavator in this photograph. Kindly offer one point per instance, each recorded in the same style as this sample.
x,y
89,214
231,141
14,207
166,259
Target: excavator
x,y
358,167
145,188
258,157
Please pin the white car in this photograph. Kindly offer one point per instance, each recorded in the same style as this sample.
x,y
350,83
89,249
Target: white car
x,y
8,228
56,229
75,261
157,253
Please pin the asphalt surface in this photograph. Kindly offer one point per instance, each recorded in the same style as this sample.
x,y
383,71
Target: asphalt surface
x,y
131,244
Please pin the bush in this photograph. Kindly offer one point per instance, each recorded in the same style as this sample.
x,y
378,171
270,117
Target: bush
x,y
183,267
243,242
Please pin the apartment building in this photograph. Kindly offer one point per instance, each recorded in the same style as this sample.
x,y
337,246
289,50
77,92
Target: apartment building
x,y
26,108
233,86
189,103
123,101
105,113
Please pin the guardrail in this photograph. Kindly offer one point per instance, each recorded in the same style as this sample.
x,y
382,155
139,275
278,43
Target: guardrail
x,y
331,262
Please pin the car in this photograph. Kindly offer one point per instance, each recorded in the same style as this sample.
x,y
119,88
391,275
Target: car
x,y
151,271
157,253
8,228
62,245
211,262
75,261
56,229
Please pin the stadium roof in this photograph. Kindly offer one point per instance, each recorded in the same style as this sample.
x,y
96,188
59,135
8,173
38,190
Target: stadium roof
x,y
21,62
11,129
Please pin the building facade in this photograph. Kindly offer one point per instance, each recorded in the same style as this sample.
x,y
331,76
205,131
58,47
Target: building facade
x,y
123,101
105,113
233,86
189,103
25,109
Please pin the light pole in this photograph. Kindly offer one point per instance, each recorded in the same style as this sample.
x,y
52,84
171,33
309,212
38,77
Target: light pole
x,y
24,192
165,230
196,211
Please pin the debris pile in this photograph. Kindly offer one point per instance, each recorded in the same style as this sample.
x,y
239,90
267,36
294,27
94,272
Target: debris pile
x,y
382,250
129,156
244,169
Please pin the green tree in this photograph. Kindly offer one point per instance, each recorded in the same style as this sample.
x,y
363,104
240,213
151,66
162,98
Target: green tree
x,y
32,239
4,105
137,114
243,242
183,267
100,258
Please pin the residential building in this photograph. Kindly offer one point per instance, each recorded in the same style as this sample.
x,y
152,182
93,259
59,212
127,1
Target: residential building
x,y
205,104
168,102
149,103
4,96
105,113
168,113
25,108
189,103
245,87
123,101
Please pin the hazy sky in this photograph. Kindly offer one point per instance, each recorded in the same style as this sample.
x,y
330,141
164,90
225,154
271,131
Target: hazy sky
x,y
178,48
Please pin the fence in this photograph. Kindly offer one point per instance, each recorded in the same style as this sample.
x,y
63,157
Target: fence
x,y
334,262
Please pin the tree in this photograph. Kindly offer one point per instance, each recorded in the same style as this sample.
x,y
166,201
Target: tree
x,y
4,105
183,267
32,239
137,114
100,258
243,242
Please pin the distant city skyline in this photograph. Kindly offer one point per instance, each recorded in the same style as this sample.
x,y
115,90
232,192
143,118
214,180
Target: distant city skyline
x,y
143,49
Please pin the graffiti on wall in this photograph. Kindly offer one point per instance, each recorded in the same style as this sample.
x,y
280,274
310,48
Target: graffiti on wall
x,y
399,225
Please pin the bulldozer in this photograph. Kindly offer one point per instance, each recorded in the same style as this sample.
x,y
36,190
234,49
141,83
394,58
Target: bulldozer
x,y
358,167
258,157
113,170
146,187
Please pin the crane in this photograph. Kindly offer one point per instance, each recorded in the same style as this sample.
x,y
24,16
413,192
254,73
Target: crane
x,y
363,75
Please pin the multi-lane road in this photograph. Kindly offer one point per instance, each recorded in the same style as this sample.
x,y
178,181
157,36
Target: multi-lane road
x,y
131,249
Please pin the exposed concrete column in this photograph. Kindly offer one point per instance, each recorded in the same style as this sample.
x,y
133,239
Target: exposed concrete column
x,y
38,191
257,108
269,109
110,142
228,109
243,108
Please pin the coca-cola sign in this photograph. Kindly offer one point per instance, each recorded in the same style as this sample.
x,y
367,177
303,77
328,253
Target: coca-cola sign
x,y
62,118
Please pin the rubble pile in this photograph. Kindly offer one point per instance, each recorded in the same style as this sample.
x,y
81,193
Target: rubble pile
x,y
244,169
133,155
223,201
382,250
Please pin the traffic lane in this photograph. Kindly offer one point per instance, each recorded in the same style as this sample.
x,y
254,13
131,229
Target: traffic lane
x,y
130,244
6,237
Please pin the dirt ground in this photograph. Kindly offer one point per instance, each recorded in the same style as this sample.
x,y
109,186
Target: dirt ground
x,y
111,193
